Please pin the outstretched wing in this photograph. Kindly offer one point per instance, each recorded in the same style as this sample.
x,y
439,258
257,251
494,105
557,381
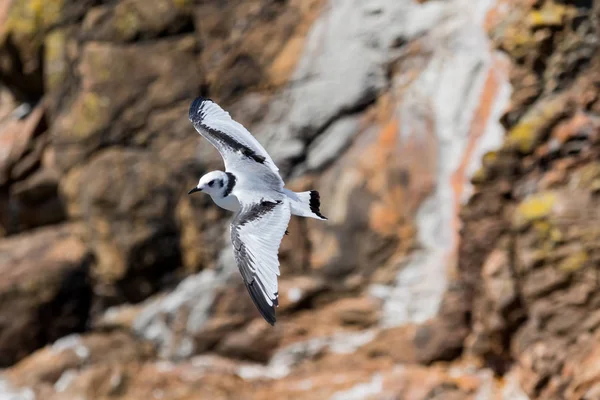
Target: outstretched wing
x,y
234,142
256,233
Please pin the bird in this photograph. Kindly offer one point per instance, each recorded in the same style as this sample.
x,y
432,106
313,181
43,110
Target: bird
x,y
252,188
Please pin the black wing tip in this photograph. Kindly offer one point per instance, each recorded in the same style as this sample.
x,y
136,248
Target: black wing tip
x,y
197,105
315,204
196,115
267,311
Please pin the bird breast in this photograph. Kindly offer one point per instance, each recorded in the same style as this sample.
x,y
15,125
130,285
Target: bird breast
x,y
230,202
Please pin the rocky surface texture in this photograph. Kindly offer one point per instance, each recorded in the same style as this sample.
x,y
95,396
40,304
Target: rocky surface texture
x,y
529,252
455,147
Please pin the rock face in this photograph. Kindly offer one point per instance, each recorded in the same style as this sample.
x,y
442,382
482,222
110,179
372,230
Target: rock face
x,y
529,251
44,293
454,145
28,177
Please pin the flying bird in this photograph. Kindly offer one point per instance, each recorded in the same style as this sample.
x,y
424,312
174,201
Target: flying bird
x,y
252,188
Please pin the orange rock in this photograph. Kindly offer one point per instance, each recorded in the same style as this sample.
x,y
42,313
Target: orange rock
x,y
580,124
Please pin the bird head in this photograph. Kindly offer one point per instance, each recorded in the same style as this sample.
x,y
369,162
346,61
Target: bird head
x,y
213,183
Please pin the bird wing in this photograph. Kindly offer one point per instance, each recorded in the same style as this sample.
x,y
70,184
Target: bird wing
x,y
256,233
240,150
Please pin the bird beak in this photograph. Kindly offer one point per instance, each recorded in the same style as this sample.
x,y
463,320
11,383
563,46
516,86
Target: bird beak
x,y
194,190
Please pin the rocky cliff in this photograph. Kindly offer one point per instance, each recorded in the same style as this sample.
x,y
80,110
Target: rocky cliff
x,y
455,147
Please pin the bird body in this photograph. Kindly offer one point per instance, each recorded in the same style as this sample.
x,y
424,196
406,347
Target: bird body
x,y
230,203
252,188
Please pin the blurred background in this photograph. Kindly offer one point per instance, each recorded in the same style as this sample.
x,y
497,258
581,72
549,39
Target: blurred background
x,y
456,148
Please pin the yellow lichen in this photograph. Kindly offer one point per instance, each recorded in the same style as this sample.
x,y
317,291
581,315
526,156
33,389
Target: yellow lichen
x,y
55,59
30,17
523,136
527,133
534,208
90,114
556,235
181,3
490,158
126,20
573,262
517,41
99,64
542,228
551,14
545,231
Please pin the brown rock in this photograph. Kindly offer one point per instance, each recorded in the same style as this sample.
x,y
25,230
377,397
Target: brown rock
x,y
269,45
44,293
47,365
117,317
361,312
131,381
36,200
108,76
531,279
135,19
129,220
579,126
349,377
107,90
340,315
255,341
370,222
442,338
31,195
498,280
395,343
16,136
217,329
298,292
295,262
22,37
439,339
197,231
584,371
227,302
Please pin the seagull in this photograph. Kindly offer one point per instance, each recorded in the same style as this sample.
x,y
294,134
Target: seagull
x,y
252,188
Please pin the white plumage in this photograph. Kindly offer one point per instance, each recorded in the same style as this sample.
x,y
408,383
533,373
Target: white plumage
x,y
254,190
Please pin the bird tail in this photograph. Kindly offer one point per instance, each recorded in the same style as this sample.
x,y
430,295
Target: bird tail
x,y
305,204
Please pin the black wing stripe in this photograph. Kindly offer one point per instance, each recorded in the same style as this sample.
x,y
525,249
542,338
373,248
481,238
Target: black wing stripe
x,y
258,211
197,114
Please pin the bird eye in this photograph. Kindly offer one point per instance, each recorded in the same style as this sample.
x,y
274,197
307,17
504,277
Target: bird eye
x,y
211,183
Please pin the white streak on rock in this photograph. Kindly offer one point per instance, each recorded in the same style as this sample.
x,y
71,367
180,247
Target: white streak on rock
x,y
450,86
362,390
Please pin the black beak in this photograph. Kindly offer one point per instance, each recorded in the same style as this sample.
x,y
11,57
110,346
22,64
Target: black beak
x,y
194,190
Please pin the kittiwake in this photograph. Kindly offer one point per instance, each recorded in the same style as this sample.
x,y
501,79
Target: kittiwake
x,y
252,188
